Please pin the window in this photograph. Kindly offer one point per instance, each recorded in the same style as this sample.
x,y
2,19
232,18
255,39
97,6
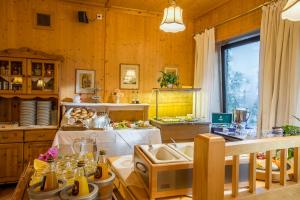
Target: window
x,y
240,76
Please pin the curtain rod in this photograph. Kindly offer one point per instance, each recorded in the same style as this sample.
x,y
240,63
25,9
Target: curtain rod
x,y
237,16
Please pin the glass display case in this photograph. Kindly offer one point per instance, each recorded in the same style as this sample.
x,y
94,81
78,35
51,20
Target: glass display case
x,y
42,76
176,114
28,76
12,75
175,104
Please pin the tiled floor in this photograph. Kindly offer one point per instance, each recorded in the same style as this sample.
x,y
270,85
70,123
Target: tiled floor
x,y
6,191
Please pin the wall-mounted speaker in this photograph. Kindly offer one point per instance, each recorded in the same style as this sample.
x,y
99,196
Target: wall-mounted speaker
x,y
82,17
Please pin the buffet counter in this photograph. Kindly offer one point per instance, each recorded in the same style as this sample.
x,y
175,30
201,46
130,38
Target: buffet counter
x,y
115,142
180,131
127,183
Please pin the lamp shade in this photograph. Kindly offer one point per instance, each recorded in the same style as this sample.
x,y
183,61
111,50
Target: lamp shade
x,y
40,83
291,11
172,20
17,80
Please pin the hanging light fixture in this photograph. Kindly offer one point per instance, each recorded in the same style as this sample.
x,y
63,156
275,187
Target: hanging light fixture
x,y
291,11
172,20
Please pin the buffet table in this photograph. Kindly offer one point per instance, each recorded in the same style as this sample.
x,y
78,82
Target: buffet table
x,y
128,184
115,142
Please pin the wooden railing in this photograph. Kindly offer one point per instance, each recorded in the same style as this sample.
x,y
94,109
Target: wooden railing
x,y
209,161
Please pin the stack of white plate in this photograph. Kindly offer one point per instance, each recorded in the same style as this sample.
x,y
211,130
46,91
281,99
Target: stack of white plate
x,y
43,113
27,113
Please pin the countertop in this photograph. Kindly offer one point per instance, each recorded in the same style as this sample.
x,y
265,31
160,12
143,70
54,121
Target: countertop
x,y
20,128
199,122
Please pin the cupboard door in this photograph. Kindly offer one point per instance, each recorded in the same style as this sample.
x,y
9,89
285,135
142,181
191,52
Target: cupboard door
x,y
11,164
12,75
43,76
32,150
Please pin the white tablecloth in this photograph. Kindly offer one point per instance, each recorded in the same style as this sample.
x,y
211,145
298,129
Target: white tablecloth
x,y
115,142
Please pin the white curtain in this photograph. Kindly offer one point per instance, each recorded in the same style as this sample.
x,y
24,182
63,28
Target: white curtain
x,y
206,75
279,69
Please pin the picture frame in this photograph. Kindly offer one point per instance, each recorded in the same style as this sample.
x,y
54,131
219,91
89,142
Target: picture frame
x,y
129,76
85,81
173,69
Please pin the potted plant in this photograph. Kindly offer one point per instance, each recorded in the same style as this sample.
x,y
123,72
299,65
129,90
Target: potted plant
x,y
290,130
168,79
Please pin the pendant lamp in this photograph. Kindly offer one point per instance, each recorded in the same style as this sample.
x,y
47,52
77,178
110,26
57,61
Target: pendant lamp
x,y
291,11
172,20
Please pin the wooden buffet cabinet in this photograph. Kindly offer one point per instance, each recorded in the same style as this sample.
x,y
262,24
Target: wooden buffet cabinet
x,y
25,74
20,146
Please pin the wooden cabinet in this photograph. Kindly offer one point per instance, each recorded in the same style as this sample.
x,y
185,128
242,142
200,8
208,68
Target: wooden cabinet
x,y
37,142
11,164
33,149
27,72
18,147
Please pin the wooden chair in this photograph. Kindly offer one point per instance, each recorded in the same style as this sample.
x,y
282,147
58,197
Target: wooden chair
x,y
20,191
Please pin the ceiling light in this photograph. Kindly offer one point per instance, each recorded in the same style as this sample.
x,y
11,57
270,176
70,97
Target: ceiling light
x,y
172,20
291,11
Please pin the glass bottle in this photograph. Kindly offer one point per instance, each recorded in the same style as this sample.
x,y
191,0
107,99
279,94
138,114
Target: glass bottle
x,y
68,173
50,181
102,167
81,187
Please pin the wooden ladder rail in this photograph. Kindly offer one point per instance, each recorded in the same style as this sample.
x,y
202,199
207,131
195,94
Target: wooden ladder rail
x,y
209,161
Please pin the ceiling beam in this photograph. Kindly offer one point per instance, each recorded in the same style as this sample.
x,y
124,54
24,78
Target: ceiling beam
x,y
90,3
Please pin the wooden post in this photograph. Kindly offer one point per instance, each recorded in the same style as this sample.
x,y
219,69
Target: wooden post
x,y
209,167
297,164
268,179
283,160
235,175
252,173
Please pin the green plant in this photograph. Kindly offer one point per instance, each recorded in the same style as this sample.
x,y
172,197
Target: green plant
x,y
168,78
289,130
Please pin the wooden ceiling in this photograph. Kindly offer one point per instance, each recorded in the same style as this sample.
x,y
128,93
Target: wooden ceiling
x,y
192,8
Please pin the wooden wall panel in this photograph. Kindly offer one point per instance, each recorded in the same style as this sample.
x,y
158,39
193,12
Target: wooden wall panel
x,y
80,44
135,38
242,25
129,36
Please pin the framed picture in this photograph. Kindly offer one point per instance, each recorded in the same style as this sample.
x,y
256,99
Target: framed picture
x,y
171,70
129,76
85,81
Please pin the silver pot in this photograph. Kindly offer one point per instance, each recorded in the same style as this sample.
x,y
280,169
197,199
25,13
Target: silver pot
x,y
241,115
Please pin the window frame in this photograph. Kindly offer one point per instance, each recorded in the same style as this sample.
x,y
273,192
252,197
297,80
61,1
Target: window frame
x,y
224,65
